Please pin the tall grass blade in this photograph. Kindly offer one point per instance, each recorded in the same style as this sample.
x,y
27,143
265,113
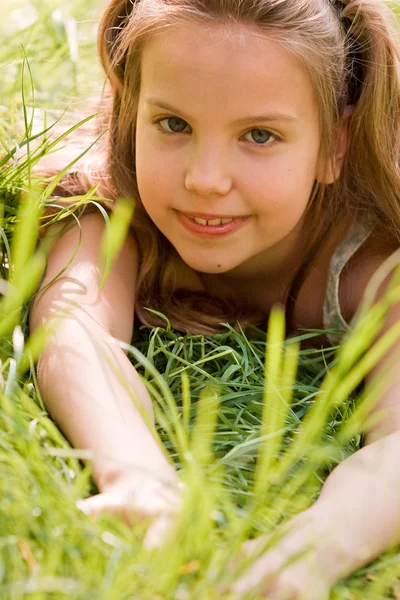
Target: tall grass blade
x,y
273,403
115,235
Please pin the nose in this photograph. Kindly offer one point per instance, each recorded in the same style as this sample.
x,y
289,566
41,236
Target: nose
x,y
207,171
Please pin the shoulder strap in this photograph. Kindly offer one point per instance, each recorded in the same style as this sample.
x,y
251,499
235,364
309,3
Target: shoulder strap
x,y
332,315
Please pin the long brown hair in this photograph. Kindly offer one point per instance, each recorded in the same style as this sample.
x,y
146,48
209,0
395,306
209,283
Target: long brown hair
x,y
351,51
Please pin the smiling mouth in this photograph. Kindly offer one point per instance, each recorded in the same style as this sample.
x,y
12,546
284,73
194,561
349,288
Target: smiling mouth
x,y
210,222
210,226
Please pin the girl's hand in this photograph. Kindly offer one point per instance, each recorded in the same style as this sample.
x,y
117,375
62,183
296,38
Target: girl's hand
x,y
309,566
134,500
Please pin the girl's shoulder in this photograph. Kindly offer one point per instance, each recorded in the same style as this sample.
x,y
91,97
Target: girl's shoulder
x,y
334,288
363,264
75,271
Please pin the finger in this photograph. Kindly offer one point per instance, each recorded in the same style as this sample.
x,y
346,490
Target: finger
x,y
297,584
255,546
251,579
106,502
282,595
157,532
250,548
260,573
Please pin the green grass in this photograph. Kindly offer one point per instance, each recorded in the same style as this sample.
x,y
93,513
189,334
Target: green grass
x,y
270,438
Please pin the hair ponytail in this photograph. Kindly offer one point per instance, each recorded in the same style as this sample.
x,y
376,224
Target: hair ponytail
x,y
371,175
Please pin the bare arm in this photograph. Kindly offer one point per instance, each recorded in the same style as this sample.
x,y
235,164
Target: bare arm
x,y
357,515
358,511
359,508
77,373
360,502
356,518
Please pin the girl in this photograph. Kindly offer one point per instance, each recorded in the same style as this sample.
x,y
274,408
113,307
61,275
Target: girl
x,y
259,140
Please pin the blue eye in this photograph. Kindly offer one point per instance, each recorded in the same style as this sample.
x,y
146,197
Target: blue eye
x,y
174,125
260,136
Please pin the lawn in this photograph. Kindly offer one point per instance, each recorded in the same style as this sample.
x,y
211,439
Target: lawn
x,y
237,413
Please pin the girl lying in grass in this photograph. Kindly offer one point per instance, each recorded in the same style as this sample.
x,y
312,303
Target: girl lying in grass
x,y
259,141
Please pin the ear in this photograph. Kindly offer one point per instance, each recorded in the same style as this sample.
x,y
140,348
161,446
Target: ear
x,y
335,164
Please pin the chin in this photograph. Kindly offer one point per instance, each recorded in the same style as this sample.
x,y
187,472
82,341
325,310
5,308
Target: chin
x,y
215,270
205,267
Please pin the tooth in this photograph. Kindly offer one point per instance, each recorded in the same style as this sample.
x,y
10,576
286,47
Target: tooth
x,y
200,221
223,221
214,222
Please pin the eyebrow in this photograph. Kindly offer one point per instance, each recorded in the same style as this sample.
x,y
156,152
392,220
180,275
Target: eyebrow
x,y
247,120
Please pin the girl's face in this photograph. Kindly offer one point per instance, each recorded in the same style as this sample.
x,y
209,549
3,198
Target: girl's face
x,y
227,128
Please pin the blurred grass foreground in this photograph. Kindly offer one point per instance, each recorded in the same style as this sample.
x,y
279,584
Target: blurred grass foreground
x,y
239,417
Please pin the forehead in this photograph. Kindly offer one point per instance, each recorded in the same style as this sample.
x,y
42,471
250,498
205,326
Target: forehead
x,y
230,64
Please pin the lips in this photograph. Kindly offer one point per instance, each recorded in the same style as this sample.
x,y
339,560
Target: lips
x,y
210,226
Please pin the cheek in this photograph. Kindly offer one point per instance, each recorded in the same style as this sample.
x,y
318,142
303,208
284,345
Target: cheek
x,y
157,173
288,180
273,185
279,189
145,167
